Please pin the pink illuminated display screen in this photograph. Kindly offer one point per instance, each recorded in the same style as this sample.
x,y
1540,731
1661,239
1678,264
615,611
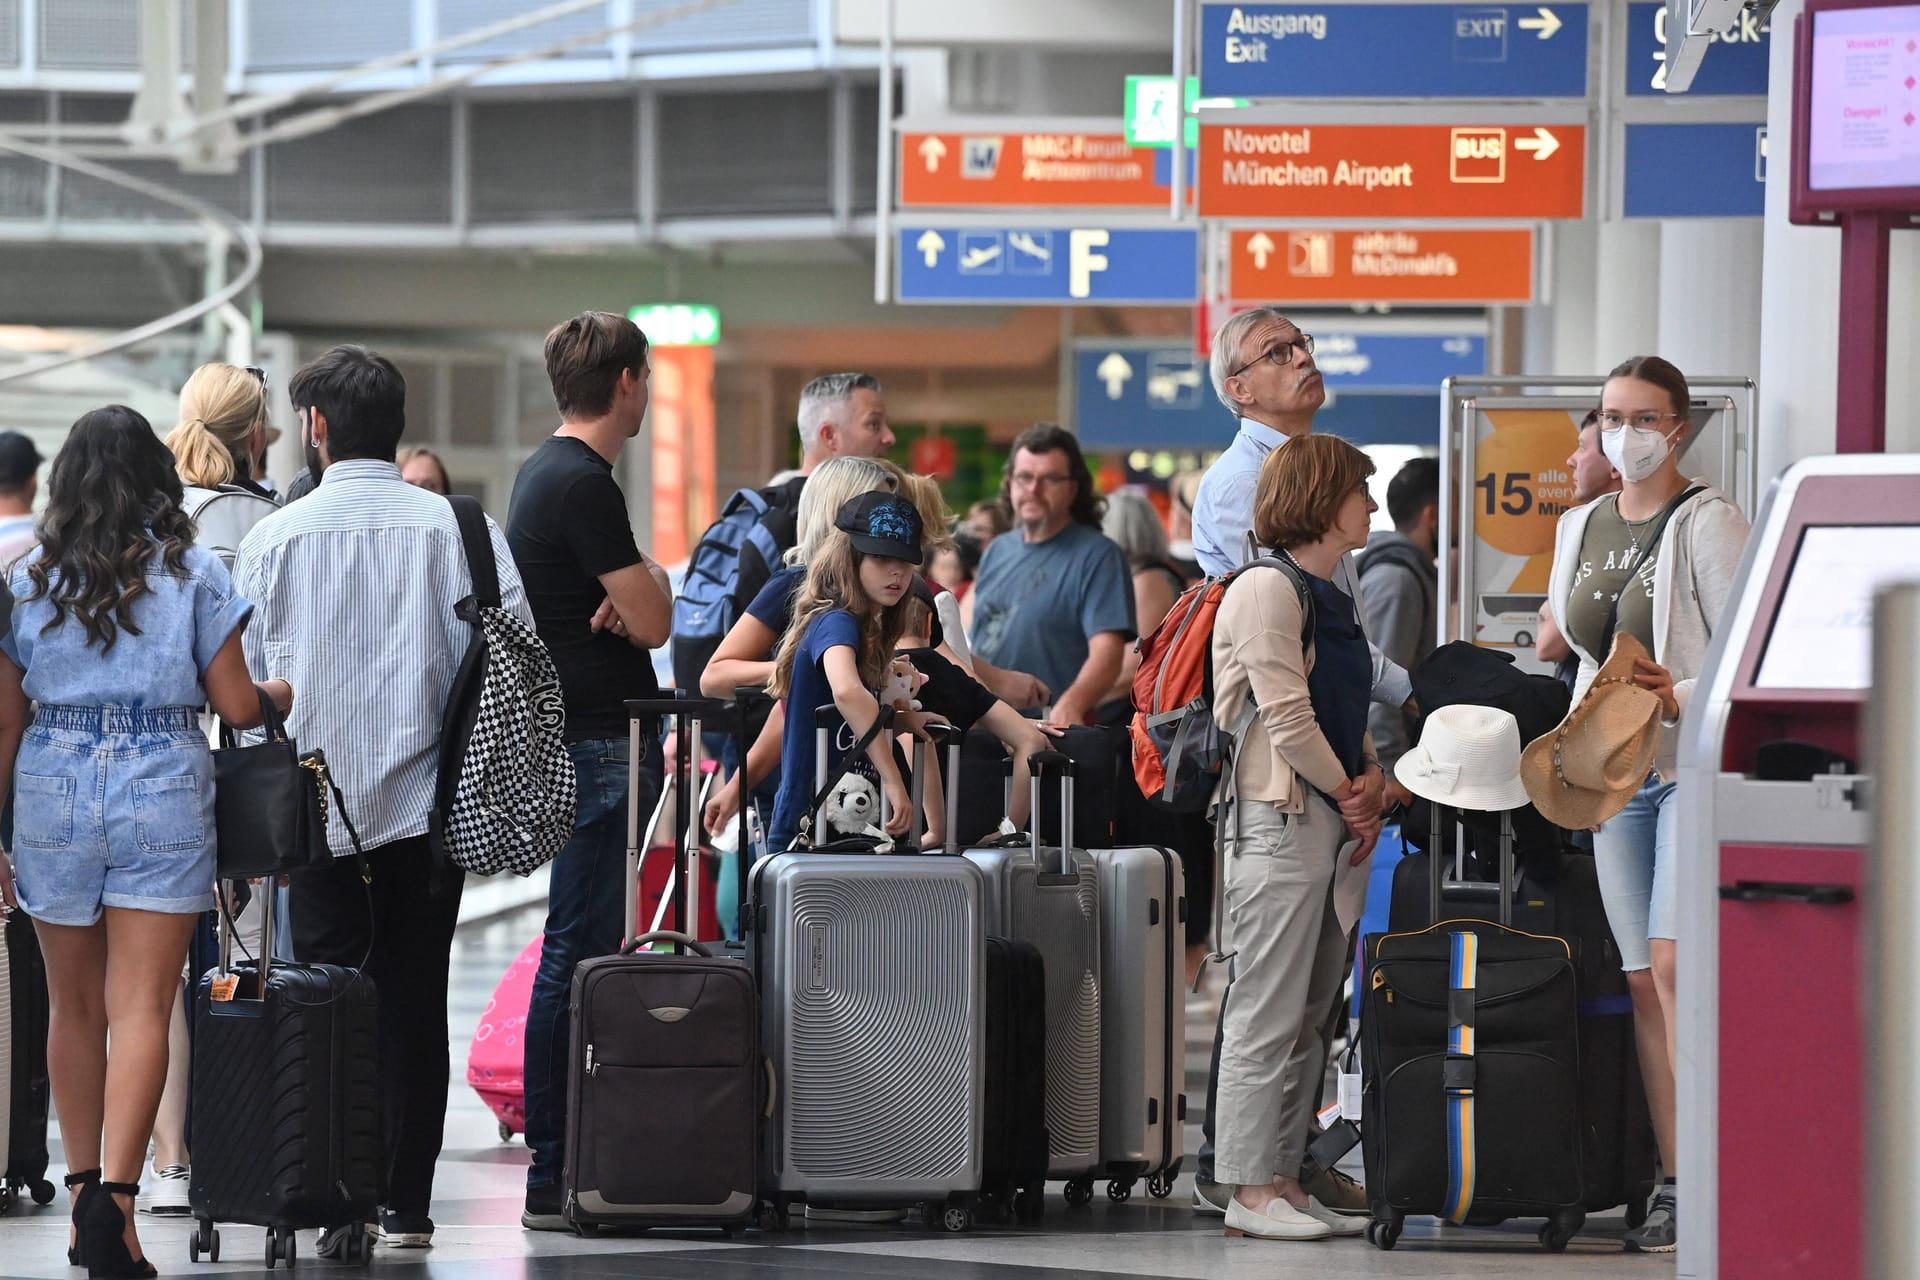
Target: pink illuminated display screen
x,y
1863,113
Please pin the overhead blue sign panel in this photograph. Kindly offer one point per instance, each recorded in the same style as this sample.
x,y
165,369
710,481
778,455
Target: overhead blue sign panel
x,y
1393,51
1695,171
1132,396
1049,265
1735,64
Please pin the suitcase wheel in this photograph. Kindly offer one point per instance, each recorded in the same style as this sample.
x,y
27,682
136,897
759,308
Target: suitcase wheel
x,y
506,1132
952,1218
42,1191
1560,1230
1159,1186
1120,1190
205,1239
6,1200
773,1217
1384,1234
1079,1191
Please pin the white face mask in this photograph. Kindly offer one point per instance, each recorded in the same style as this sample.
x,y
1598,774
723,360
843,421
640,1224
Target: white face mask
x,y
1635,452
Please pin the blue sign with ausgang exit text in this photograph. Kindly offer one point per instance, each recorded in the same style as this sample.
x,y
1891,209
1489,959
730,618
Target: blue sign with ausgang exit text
x,y
1393,51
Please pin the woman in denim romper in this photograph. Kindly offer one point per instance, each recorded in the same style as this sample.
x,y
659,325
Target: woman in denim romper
x,y
121,630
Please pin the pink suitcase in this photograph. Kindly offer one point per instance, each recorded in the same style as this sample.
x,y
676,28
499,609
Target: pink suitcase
x,y
496,1062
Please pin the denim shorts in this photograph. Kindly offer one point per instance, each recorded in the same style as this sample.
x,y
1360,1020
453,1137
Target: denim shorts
x,y
113,807
1633,855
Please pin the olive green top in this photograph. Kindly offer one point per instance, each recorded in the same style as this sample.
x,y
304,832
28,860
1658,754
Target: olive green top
x,y
1610,547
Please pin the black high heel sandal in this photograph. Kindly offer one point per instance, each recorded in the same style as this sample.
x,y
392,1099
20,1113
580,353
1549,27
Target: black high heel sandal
x,y
103,1237
88,1180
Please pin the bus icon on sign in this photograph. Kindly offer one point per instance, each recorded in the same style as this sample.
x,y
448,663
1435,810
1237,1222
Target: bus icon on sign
x,y
1478,155
979,157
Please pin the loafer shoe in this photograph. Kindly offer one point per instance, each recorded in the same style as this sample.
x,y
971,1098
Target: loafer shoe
x,y
1210,1197
1340,1224
1281,1221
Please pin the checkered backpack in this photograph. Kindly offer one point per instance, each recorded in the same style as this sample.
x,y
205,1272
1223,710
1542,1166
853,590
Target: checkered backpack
x,y
506,795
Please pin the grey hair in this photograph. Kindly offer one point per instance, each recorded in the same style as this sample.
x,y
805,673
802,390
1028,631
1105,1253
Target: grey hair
x,y
819,398
1226,348
1133,523
832,485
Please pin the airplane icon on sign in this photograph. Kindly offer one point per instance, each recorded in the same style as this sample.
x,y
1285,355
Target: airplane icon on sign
x,y
981,253
1030,253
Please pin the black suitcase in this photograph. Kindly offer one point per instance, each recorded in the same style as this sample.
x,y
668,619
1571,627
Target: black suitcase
x,y
1558,894
23,1066
1096,752
285,1089
1015,1157
1471,1100
664,1105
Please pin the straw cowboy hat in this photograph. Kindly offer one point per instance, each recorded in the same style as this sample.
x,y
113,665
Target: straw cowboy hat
x,y
1589,767
1468,756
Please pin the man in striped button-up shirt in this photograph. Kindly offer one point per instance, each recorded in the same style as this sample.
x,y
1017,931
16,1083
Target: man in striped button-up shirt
x,y
354,588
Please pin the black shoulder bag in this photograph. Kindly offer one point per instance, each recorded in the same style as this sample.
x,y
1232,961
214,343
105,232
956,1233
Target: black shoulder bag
x,y
269,803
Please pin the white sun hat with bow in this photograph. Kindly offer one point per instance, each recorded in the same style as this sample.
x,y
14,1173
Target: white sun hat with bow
x,y
1468,757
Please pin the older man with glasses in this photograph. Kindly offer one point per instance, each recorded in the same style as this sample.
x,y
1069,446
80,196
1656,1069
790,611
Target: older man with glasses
x,y
1263,372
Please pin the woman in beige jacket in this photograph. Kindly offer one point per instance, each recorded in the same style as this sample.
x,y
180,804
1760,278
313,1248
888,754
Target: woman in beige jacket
x,y
1288,642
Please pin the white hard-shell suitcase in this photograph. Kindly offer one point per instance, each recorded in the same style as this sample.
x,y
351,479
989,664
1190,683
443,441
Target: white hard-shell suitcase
x,y
872,978
1051,898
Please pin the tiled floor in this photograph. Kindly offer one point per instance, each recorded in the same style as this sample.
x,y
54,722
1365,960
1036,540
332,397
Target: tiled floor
x,y
478,1194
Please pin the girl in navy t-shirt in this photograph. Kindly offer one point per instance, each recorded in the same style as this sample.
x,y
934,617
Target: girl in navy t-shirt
x,y
849,615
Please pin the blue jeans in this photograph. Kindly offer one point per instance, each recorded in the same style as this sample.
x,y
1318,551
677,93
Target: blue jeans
x,y
586,912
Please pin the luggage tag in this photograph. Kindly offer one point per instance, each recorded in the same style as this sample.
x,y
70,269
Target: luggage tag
x,y
1349,1089
221,989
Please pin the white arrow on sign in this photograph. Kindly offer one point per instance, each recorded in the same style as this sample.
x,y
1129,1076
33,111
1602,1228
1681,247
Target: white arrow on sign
x,y
932,151
1542,143
1115,372
1457,346
1546,24
930,245
1261,247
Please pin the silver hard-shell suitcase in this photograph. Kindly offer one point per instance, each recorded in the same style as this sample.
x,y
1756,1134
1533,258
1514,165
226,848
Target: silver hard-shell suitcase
x,y
872,977
1143,1051
1051,898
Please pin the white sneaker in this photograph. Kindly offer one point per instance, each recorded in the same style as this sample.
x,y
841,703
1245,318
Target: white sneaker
x,y
166,1195
1281,1221
1340,1224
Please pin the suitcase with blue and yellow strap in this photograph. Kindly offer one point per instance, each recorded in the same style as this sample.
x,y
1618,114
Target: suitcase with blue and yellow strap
x,y
1471,1094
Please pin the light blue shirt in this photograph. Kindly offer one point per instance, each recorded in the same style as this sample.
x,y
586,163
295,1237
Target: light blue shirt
x,y
354,587
1223,517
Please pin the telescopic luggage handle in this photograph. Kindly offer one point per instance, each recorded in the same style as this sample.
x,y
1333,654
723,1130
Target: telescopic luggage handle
x,y
684,782
825,779
1458,886
745,698
1039,764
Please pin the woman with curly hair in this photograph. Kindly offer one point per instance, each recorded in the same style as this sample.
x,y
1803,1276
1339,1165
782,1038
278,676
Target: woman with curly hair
x,y
120,630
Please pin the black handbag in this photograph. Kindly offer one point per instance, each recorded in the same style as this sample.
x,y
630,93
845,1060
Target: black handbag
x,y
269,803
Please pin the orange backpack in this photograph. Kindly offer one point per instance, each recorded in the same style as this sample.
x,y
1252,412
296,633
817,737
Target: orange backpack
x,y
1179,747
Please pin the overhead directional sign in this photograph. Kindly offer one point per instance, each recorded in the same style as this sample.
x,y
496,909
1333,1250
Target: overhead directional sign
x,y
1392,171
1695,171
1418,265
1049,265
1394,50
1131,395
1736,63
1152,115
1034,170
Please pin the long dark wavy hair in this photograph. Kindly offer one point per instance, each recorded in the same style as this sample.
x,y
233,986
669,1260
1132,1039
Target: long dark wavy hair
x,y
113,504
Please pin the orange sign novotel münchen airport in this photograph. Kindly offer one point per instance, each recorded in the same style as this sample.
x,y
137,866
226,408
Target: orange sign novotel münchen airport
x,y
1040,170
1392,171
1419,265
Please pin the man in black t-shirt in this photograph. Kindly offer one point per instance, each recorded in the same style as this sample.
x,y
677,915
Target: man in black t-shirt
x,y
599,603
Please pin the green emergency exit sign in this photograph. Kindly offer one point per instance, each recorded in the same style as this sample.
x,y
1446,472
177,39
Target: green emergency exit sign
x,y
1150,111
678,324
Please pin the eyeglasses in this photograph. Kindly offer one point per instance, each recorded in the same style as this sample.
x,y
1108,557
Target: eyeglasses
x,y
1647,421
259,373
1027,480
1281,354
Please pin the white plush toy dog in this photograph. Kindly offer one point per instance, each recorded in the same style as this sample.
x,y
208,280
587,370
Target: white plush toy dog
x,y
853,809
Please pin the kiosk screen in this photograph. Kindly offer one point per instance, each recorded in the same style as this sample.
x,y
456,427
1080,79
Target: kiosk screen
x,y
1822,634
1860,117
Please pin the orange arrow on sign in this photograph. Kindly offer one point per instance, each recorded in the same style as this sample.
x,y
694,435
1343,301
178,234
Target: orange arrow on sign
x,y
1392,171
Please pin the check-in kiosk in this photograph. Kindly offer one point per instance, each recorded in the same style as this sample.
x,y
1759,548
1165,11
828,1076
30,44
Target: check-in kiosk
x,y
1774,831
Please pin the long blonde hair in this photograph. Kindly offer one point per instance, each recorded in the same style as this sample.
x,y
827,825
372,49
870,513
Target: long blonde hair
x,y
935,519
833,484
833,582
219,408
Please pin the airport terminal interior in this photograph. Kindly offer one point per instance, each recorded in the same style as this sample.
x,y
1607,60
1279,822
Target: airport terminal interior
x,y
1464,221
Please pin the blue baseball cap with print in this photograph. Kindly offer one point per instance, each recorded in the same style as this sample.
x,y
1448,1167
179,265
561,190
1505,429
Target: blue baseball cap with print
x,y
882,524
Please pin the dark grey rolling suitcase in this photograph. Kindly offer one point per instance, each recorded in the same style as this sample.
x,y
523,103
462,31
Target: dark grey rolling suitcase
x,y
663,1112
1051,898
286,1101
872,977
23,1066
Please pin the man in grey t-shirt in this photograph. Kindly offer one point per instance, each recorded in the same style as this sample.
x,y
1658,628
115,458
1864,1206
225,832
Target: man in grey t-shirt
x,y
1053,602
